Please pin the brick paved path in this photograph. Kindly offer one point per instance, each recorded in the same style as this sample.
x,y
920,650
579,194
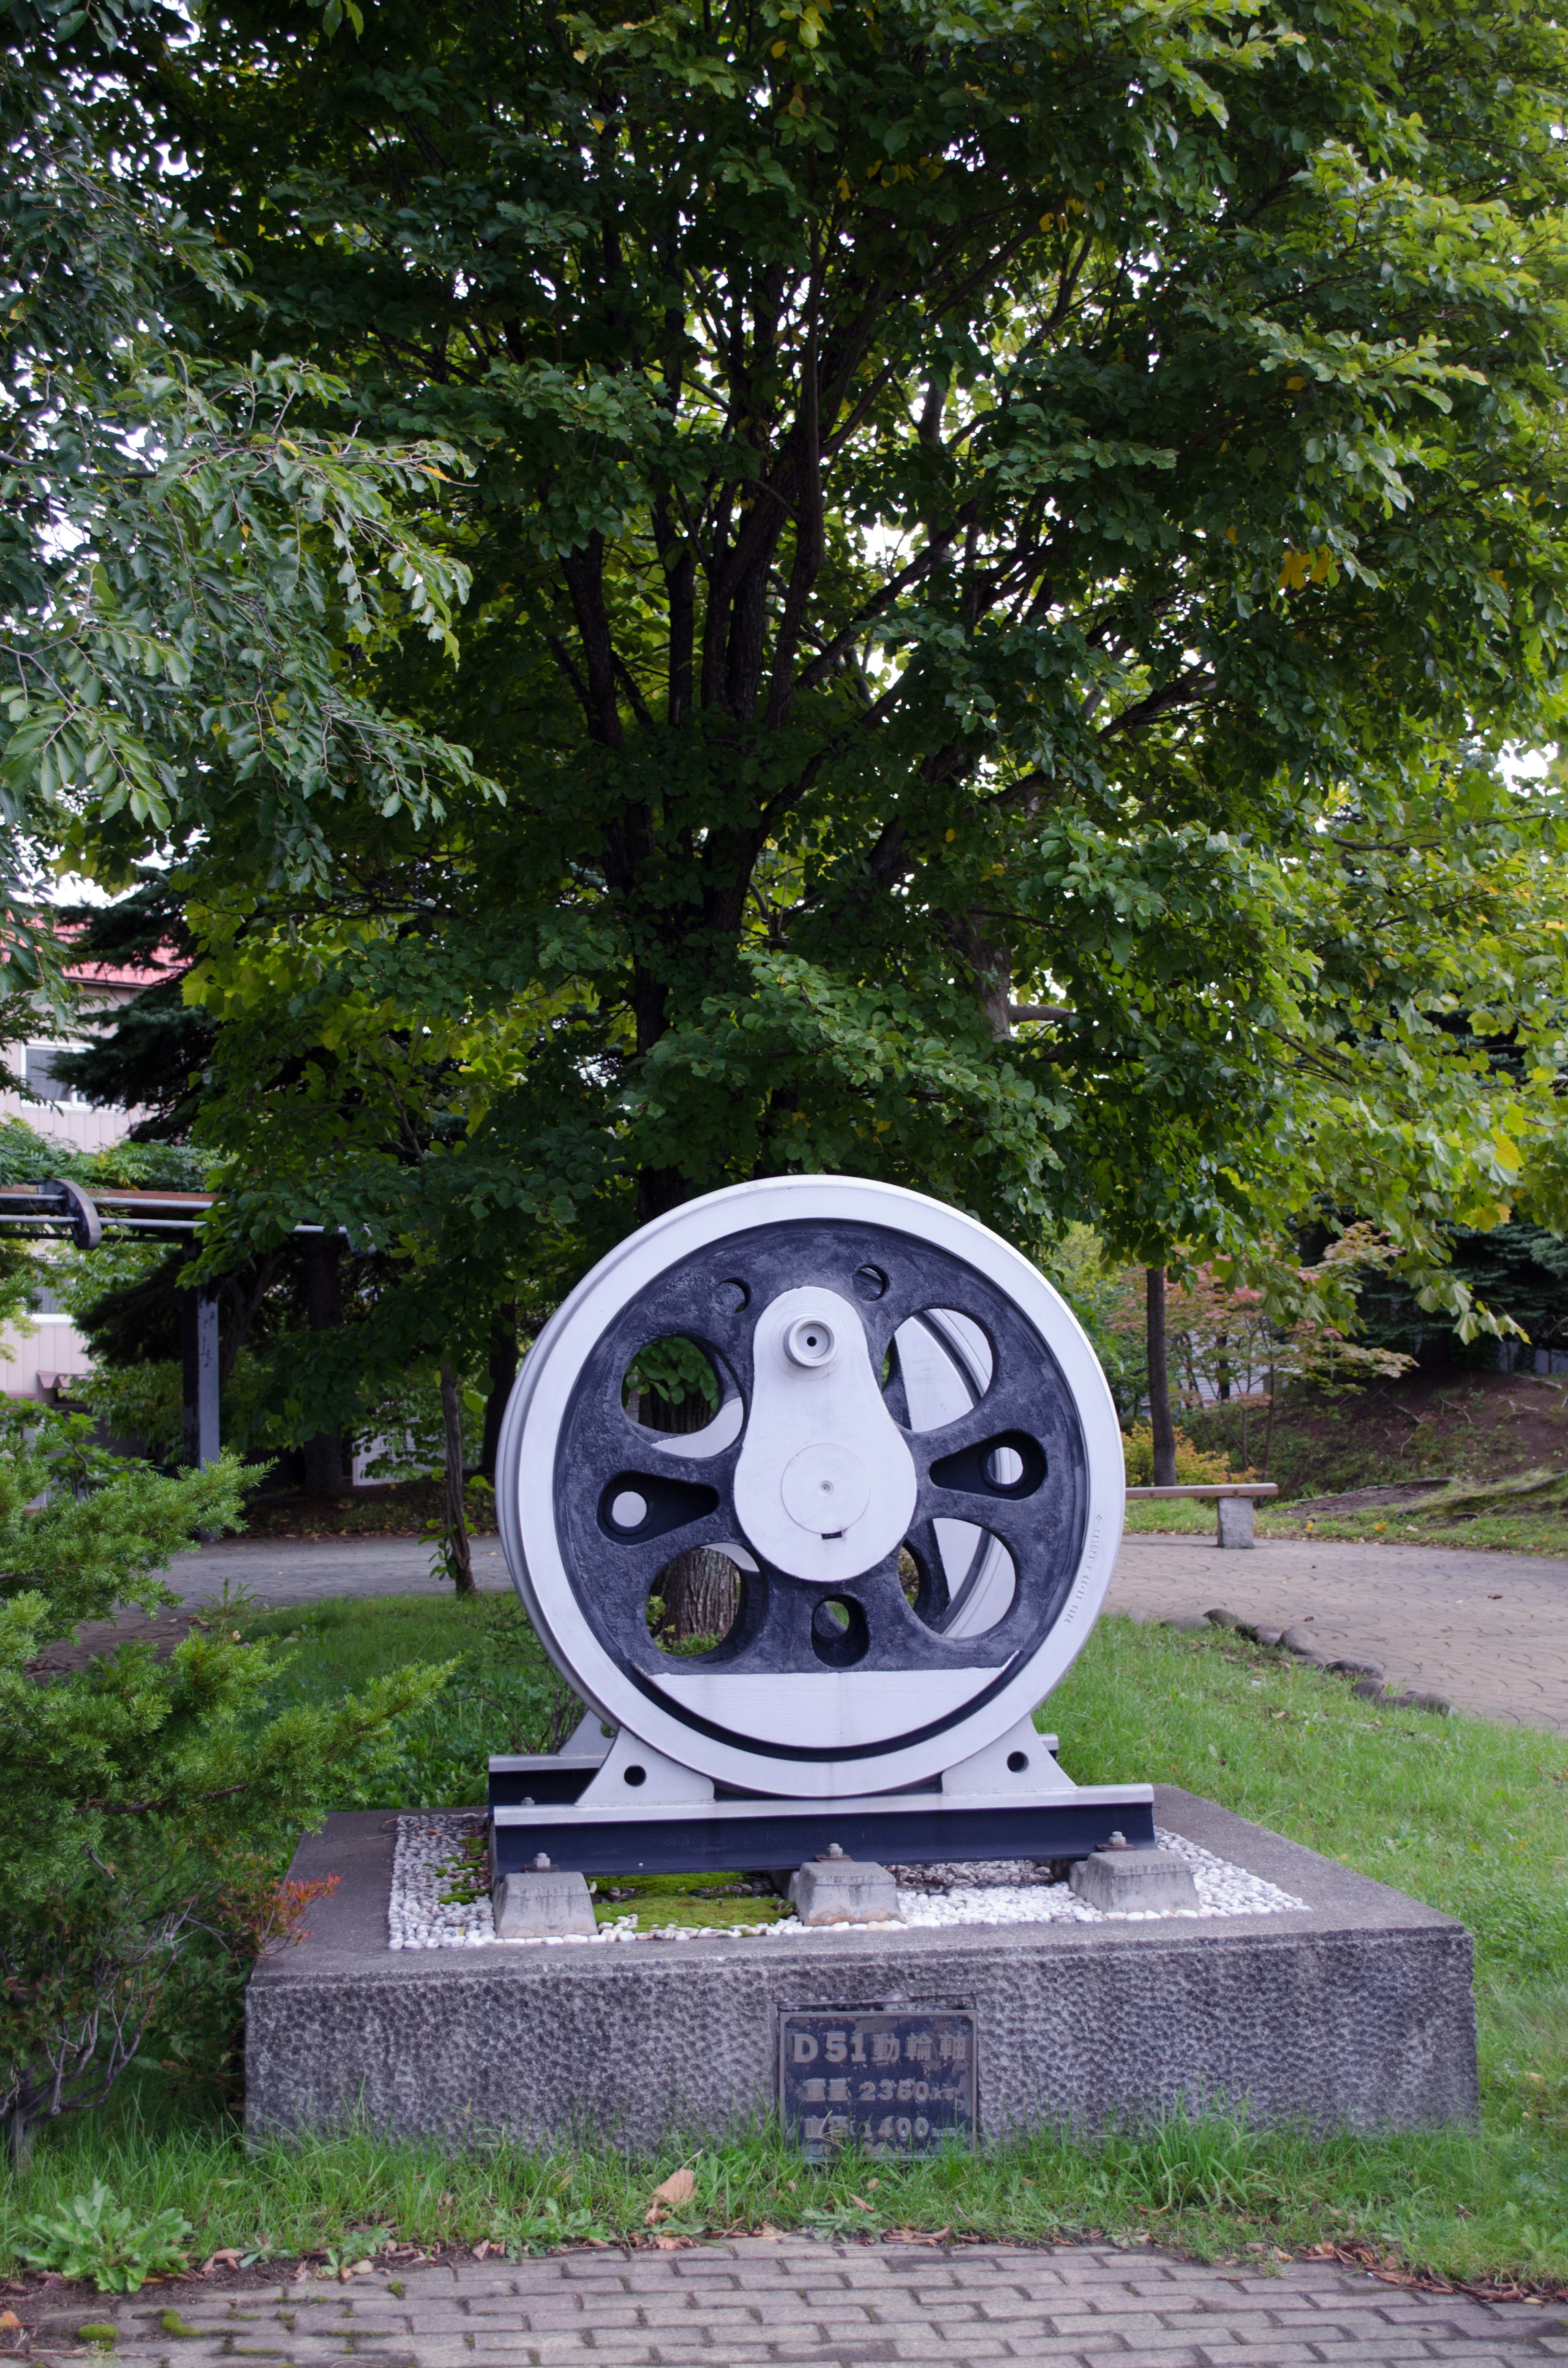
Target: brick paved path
x,y
1489,1631
782,2304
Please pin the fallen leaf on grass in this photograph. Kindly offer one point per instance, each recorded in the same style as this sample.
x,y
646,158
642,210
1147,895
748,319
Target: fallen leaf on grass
x,y
769,2234
678,2188
861,2203
673,2244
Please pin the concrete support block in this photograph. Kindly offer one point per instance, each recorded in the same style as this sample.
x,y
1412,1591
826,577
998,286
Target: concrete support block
x,y
1146,1882
1236,1521
1355,2013
844,1891
543,1901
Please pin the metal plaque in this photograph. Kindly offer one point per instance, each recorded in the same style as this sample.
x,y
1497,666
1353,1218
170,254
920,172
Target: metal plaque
x,y
895,2084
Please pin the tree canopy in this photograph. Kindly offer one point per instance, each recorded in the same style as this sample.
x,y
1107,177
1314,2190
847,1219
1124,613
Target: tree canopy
x,y
188,574
1004,546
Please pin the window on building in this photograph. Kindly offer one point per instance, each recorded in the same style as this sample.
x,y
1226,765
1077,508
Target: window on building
x,y
39,1074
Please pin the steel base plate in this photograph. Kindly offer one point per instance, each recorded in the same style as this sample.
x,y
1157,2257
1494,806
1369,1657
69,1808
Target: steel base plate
x,y
532,1809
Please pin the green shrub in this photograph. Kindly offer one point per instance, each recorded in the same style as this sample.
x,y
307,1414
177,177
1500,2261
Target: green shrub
x,y
147,1808
1194,1464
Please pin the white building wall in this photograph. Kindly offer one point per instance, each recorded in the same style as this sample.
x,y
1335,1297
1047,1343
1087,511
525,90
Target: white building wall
x,y
43,1362
76,1124
46,1363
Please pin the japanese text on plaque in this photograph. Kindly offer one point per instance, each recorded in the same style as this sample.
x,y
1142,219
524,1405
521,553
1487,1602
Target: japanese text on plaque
x,y
890,2083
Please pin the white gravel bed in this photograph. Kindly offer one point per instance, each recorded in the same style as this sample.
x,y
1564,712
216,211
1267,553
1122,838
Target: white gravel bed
x,y
429,1867
992,1892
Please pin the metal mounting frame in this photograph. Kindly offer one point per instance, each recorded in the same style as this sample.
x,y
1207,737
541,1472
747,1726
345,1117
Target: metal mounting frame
x,y
611,1806
757,1837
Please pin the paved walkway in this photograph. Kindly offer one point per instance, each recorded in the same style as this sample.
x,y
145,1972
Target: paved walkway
x,y
277,1571
785,2304
1489,1631
307,1570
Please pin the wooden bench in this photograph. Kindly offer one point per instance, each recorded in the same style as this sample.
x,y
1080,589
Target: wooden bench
x,y
1233,1501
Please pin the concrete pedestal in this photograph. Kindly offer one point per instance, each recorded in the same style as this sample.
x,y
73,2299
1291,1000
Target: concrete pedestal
x,y
1357,2011
1234,1521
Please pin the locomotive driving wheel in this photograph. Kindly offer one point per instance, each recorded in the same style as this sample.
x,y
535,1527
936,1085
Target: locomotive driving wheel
x,y
909,1459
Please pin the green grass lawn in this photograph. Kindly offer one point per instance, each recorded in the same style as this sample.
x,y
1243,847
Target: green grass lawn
x,y
503,1694
1460,1813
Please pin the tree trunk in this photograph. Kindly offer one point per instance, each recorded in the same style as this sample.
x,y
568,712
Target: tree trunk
x,y
325,1463
658,1190
503,1374
701,1593
991,965
1160,1421
700,1588
455,1550
242,1294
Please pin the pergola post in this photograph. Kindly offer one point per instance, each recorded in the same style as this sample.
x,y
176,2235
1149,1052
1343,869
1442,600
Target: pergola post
x,y
200,1329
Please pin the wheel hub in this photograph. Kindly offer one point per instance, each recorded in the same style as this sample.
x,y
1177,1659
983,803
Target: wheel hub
x,y
824,1485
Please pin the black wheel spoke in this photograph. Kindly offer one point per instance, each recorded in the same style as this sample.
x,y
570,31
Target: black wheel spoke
x,y
935,1589
895,1397
899,1638
1017,1524
626,1569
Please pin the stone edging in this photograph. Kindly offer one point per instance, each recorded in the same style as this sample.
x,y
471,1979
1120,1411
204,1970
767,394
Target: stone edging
x,y
1368,1684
